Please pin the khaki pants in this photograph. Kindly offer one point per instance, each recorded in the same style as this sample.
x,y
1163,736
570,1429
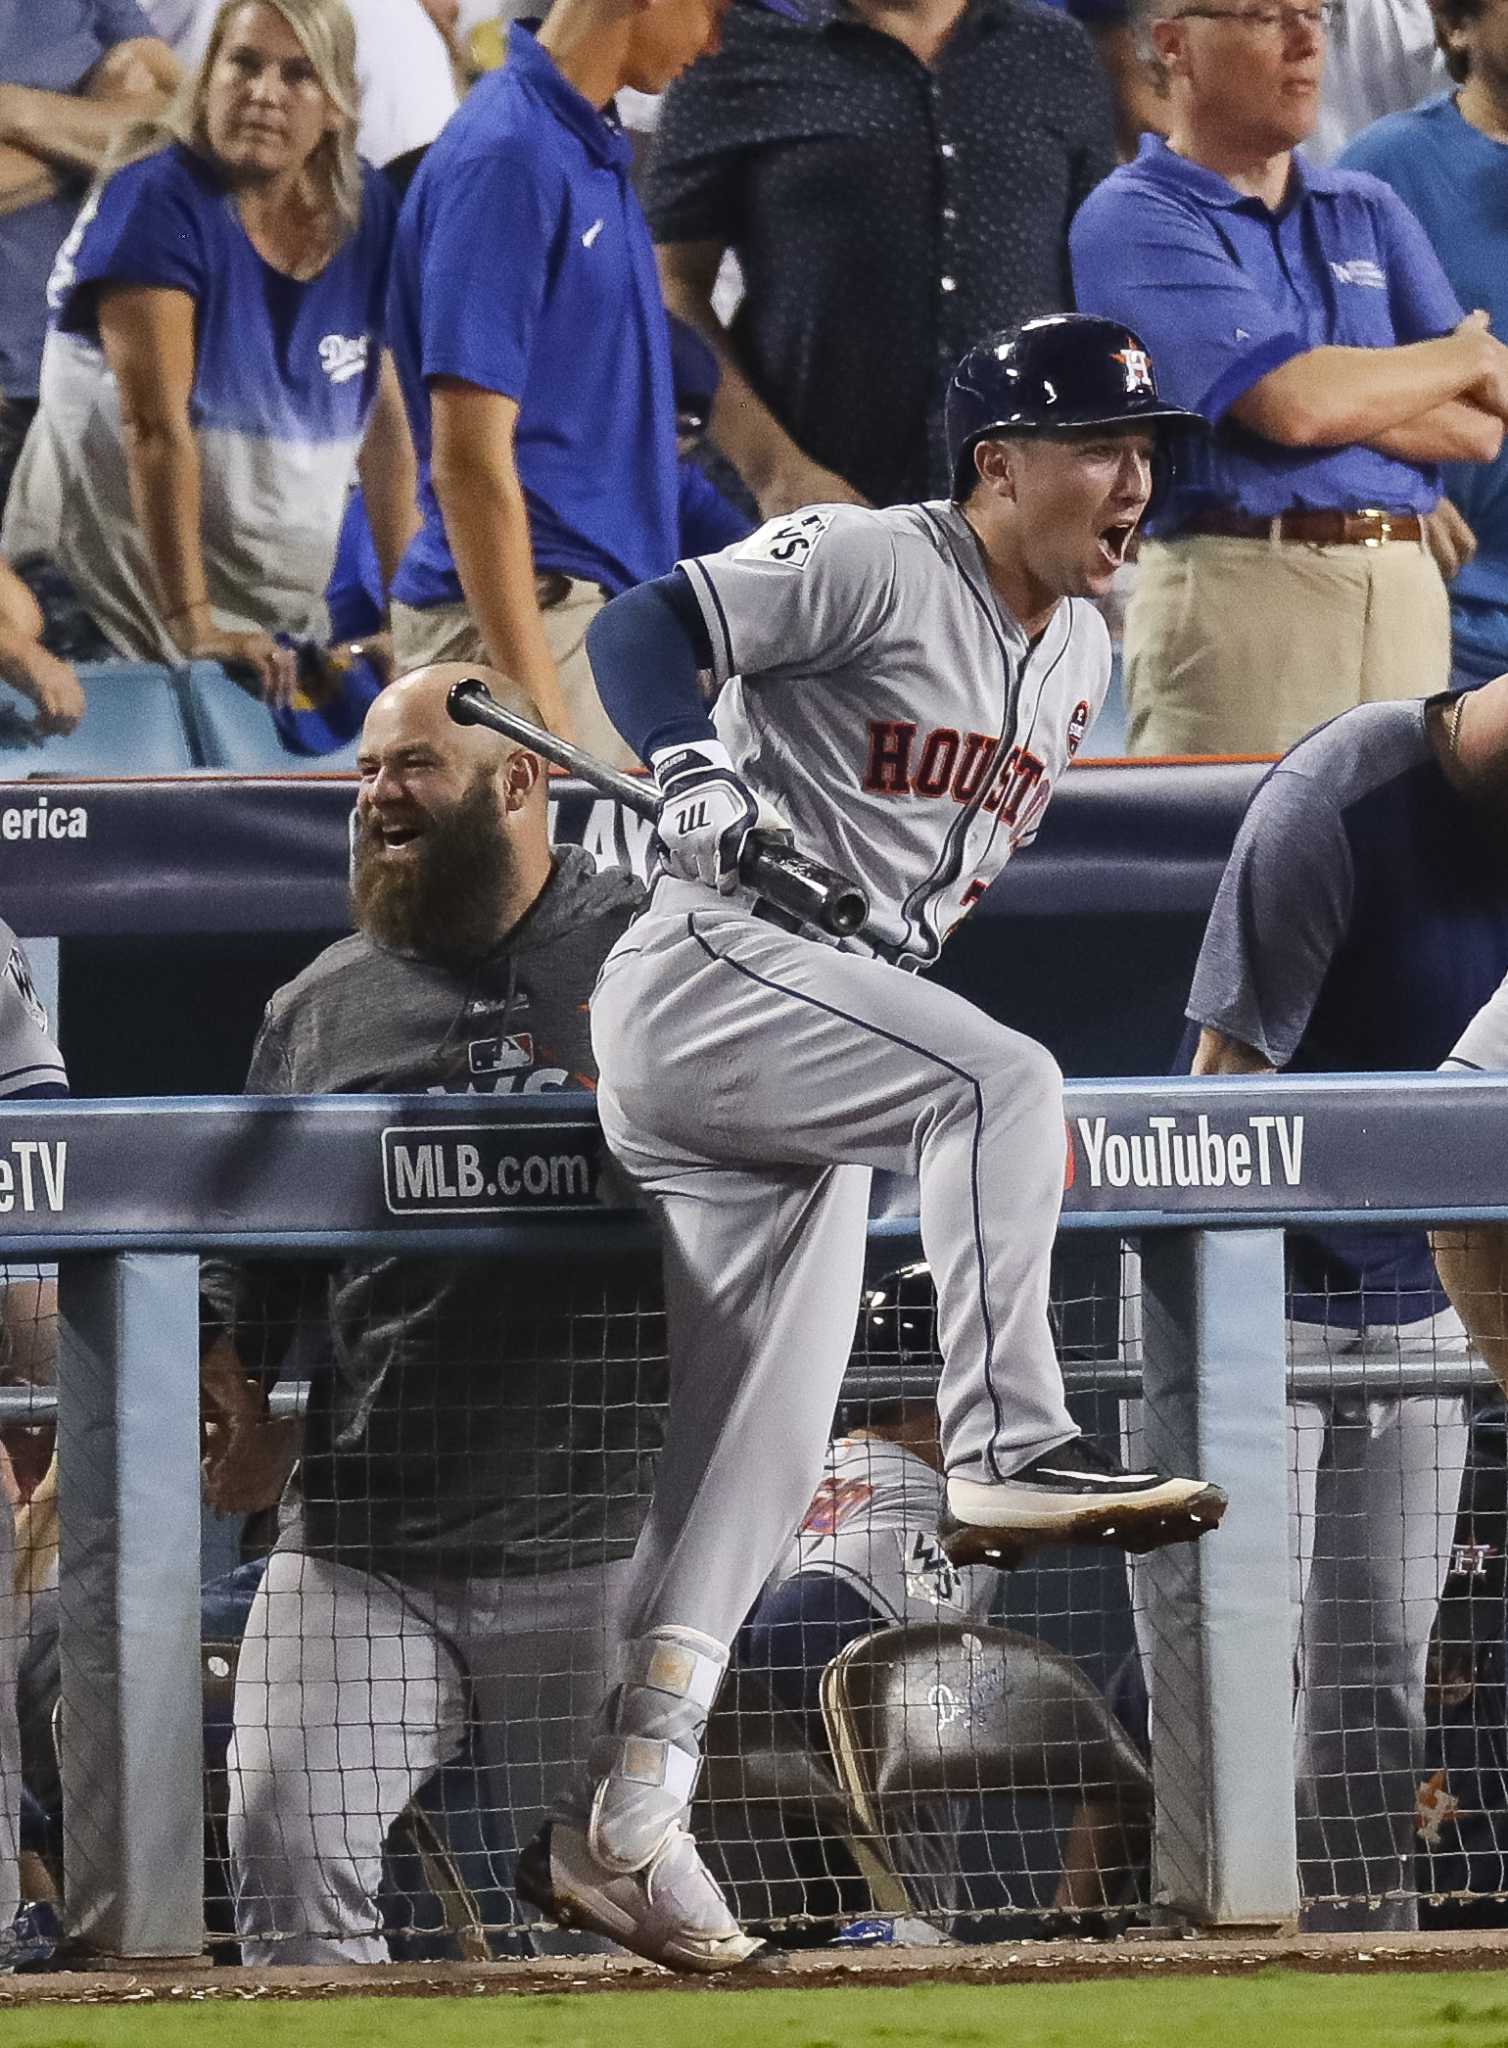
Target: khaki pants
x,y
447,632
1243,646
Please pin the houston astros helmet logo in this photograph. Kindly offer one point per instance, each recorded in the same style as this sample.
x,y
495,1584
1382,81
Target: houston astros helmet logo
x,y
1138,369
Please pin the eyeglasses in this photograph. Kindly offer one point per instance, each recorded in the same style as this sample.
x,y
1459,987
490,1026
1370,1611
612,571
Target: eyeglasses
x,y
1320,17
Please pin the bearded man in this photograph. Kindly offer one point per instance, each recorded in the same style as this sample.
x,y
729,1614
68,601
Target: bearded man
x,y
476,1455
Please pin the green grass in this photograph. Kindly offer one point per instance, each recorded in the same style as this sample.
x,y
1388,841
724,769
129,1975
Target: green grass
x,y
1273,2009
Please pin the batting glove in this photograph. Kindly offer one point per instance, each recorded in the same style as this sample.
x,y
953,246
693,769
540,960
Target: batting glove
x,y
706,813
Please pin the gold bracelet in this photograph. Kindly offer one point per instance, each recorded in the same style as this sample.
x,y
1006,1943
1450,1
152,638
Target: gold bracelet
x,y
1458,711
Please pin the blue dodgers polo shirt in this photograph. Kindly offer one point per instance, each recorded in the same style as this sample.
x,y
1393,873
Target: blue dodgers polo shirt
x,y
1456,180
50,47
523,265
1222,291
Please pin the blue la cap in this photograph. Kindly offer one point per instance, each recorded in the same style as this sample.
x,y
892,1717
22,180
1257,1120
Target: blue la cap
x,y
334,694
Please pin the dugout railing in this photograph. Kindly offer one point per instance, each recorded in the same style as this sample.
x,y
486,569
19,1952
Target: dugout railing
x,y
127,1195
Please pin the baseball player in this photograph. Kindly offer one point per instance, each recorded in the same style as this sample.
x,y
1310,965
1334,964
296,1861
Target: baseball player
x,y
30,1067
903,689
1377,839
475,1457
1473,1264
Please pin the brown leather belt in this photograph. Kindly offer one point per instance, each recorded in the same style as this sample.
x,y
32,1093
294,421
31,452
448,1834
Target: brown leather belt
x,y
1366,527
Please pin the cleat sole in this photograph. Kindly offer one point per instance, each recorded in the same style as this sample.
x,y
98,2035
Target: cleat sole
x,y
1113,1526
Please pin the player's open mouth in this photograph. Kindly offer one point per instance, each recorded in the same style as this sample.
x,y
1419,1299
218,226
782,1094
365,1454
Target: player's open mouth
x,y
395,836
1115,539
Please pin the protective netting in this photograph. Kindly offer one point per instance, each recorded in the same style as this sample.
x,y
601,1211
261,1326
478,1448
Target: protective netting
x,y
1395,1441
398,1692
436,1470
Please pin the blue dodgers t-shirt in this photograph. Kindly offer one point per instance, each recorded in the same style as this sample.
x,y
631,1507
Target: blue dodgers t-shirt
x,y
1360,924
50,46
523,266
1456,179
1222,290
284,378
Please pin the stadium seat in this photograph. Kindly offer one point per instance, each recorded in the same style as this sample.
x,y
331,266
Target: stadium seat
x,y
132,725
231,729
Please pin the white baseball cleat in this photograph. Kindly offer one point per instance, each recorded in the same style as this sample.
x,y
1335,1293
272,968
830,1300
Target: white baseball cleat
x,y
1075,1494
670,1912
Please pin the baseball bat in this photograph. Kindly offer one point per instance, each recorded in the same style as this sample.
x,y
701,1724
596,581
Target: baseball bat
x,y
788,880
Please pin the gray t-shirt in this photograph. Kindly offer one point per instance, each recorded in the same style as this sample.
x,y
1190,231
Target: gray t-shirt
x,y
890,707
475,1417
1284,915
52,46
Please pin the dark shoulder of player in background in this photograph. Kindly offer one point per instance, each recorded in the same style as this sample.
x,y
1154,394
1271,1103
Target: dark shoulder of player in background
x,y
356,1011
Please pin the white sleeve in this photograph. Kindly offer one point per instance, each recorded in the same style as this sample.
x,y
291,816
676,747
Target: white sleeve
x,y
408,91
804,593
1483,1045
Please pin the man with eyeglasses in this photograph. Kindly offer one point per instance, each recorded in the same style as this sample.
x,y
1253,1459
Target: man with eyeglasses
x,y
1289,572
1447,161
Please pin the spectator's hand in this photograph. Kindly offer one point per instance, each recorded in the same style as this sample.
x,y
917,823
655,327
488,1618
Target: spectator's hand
x,y
1449,539
1489,388
52,685
122,74
800,482
256,656
247,1460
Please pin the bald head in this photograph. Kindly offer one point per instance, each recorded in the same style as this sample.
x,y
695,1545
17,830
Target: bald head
x,y
412,711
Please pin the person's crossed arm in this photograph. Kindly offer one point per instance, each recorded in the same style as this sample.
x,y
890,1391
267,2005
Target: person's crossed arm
x,y
49,138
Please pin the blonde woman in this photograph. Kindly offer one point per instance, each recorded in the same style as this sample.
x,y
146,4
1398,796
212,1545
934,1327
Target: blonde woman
x,y
215,367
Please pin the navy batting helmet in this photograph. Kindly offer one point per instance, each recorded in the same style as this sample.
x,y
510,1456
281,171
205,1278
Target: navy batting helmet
x,y
1067,373
895,1355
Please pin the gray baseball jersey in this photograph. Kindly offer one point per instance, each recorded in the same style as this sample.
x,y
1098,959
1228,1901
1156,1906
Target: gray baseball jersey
x,y
1484,1042
873,1523
30,1064
897,716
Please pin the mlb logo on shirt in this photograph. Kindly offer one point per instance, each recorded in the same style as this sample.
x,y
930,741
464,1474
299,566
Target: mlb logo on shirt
x,y
1138,367
1360,270
343,356
500,1055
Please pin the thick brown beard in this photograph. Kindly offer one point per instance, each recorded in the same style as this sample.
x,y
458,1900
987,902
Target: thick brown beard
x,y
450,903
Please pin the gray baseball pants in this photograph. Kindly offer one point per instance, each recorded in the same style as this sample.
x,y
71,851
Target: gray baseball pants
x,y
352,1690
1374,1488
749,1079
13,1617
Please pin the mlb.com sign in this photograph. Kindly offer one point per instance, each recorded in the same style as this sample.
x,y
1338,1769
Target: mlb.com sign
x,y
1190,1152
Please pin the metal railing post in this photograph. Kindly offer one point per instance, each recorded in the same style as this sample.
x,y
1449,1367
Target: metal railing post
x,y
131,1736
1218,1625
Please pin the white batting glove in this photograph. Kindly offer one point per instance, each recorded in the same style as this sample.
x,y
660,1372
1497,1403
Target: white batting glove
x,y
706,813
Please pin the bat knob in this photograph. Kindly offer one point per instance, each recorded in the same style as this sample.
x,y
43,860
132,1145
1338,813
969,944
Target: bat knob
x,y
846,911
463,700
